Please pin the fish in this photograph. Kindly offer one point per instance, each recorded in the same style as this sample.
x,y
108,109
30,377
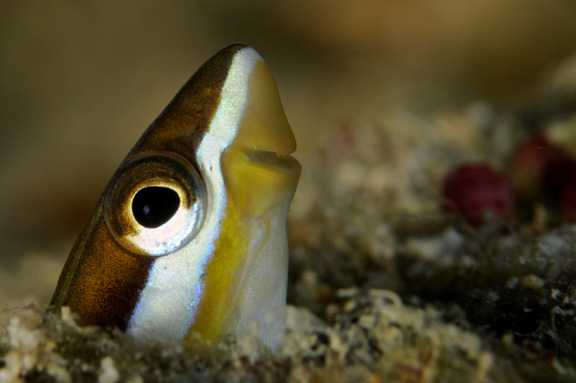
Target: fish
x,y
188,240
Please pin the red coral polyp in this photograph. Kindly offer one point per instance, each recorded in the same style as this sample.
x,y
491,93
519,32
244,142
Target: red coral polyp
x,y
479,194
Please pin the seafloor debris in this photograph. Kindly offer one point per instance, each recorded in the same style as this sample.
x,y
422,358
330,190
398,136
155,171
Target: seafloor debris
x,y
374,337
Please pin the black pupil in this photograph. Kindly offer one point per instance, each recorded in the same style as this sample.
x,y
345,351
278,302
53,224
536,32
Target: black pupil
x,y
154,206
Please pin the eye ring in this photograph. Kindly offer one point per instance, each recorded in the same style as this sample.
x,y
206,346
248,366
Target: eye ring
x,y
155,203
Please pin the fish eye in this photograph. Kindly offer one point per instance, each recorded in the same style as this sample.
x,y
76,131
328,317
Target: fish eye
x,y
155,203
153,206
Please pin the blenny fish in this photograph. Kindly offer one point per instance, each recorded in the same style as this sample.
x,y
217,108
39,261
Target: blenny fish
x,y
189,238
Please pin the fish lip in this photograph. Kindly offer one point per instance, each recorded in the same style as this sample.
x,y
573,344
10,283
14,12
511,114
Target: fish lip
x,y
270,157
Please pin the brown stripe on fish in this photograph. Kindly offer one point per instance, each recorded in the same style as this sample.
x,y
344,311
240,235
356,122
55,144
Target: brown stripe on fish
x,y
100,281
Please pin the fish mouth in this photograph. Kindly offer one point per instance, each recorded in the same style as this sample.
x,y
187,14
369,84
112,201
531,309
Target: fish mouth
x,y
281,160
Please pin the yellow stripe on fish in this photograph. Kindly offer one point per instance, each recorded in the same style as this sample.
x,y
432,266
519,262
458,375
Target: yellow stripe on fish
x,y
189,236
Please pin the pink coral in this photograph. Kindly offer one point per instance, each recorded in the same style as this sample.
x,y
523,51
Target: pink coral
x,y
479,194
